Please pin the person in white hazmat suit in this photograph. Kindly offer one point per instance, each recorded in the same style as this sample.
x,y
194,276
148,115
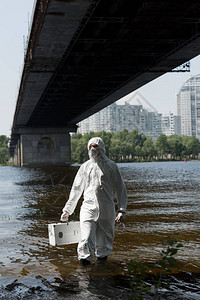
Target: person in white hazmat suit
x,y
97,178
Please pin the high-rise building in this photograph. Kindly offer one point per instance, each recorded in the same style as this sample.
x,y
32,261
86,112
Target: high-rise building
x,y
117,117
188,107
104,120
171,124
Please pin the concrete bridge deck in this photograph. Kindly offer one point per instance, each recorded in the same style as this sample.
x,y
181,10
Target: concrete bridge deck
x,y
83,55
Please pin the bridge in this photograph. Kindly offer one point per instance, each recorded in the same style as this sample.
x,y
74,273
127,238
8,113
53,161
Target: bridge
x,y
83,55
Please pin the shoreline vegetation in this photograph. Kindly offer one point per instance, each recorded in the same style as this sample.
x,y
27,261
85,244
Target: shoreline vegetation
x,y
133,146
124,146
5,159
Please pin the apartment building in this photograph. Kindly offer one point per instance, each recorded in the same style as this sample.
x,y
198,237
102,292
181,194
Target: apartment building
x,y
188,107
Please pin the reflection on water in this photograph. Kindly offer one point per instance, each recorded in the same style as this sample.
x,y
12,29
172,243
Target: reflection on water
x,y
163,203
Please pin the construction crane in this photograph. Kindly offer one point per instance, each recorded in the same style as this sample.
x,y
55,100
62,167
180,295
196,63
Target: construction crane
x,y
136,96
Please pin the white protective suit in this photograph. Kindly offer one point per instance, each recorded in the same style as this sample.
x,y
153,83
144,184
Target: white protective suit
x,y
97,178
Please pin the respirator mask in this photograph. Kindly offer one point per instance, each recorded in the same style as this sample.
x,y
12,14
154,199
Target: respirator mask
x,y
93,152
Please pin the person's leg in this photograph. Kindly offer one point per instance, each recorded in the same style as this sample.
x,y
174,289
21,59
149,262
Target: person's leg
x,y
86,245
104,238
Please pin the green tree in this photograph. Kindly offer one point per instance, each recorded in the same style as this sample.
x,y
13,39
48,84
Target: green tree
x,y
79,149
4,151
192,146
148,148
175,146
121,135
139,152
115,149
137,139
125,151
161,145
121,148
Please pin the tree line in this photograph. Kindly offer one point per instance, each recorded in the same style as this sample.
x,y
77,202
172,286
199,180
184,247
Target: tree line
x,y
133,146
125,146
4,151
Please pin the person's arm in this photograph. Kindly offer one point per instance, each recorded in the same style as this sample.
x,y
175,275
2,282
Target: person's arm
x,y
121,194
75,194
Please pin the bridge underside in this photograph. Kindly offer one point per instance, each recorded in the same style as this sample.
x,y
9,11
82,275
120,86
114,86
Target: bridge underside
x,y
84,55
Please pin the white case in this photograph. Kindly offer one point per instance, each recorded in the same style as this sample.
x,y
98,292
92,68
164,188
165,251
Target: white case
x,y
64,233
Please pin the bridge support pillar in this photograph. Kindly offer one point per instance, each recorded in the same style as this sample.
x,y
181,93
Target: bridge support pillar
x,y
43,147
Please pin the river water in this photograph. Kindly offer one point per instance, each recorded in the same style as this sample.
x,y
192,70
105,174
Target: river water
x,y
163,203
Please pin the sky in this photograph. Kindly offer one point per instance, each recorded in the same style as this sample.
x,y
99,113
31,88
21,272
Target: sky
x,y
14,16
161,92
15,19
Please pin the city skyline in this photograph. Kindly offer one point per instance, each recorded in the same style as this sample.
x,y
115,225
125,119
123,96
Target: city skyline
x,y
131,116
138,113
